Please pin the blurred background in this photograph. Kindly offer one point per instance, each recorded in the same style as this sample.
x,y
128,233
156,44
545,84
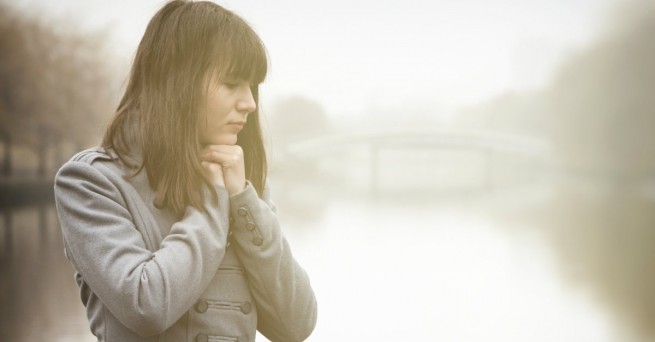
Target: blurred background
x,y
444,170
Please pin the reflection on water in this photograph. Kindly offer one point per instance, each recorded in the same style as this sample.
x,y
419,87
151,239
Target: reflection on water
x,y
604,237
39,299
428,272
560,261
541,265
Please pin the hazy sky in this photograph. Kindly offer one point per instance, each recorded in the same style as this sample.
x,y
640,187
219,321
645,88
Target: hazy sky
x,y
356,57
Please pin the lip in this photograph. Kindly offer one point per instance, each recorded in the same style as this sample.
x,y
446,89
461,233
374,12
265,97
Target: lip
x,y
237,124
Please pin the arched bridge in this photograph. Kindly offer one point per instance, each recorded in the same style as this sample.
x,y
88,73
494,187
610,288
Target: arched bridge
x,y
499,154
436,139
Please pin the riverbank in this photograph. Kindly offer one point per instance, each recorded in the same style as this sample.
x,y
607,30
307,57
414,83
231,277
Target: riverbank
x,y
25,191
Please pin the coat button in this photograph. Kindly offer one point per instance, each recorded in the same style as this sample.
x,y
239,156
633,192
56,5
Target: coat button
x,y
202,338
246,307
242,211
251,226
257,241
201,306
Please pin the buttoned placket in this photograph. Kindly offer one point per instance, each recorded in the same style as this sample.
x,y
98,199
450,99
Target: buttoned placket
x,y
257,239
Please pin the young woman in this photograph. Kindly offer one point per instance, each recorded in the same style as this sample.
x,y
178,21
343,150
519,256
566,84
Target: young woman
x,y
169,225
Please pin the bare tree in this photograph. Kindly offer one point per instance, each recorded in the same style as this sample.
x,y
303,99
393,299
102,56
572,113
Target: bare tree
x,y
599,111
603,104
54,87
14,76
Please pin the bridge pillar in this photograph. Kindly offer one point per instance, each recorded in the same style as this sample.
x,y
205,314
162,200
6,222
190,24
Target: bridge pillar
x,y
374,169
490,177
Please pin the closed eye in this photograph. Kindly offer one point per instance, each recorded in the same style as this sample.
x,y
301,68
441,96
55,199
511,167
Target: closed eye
x,y
231,85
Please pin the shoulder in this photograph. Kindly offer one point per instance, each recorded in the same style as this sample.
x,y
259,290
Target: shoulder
x,y
94,164
88,156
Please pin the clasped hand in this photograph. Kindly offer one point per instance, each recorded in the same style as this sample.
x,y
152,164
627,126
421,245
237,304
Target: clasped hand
x,y
224,165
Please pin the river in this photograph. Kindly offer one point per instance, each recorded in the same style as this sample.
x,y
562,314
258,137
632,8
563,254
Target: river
x,y
533,264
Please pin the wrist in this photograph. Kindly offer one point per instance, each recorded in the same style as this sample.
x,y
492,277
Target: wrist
x,y
236,191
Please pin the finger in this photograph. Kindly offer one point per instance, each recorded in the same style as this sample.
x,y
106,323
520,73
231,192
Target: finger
x,y
209,166
225,159
213,172
223,148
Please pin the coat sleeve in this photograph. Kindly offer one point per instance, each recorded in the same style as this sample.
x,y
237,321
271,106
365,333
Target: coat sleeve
x,y
145,290
286,304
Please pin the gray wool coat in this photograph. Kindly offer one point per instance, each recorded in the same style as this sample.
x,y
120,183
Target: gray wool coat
x,y
146,276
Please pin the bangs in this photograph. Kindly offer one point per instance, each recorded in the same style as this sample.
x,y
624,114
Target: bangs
x,y
242,56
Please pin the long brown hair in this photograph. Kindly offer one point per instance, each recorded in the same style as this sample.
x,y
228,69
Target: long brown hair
x,y
162,109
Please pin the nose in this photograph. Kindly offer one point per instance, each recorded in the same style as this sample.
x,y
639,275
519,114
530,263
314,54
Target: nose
x,y
246,103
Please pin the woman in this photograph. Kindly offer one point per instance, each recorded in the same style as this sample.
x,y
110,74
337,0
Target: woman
x,y
169,225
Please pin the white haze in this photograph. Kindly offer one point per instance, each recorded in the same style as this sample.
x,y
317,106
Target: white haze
x,y
365,57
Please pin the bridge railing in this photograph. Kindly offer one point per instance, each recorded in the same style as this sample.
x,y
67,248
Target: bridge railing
x,y
497,159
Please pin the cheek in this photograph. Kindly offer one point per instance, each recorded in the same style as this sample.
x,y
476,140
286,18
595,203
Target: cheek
x,y
214,130
218,104
216,136
216,115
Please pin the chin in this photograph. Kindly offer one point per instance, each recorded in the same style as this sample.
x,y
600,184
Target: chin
x,y
224,140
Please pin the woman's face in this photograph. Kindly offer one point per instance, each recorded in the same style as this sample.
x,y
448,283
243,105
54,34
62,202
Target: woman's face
x,y
228,104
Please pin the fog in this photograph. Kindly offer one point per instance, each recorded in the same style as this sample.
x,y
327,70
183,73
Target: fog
x,y
358,58
458,171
